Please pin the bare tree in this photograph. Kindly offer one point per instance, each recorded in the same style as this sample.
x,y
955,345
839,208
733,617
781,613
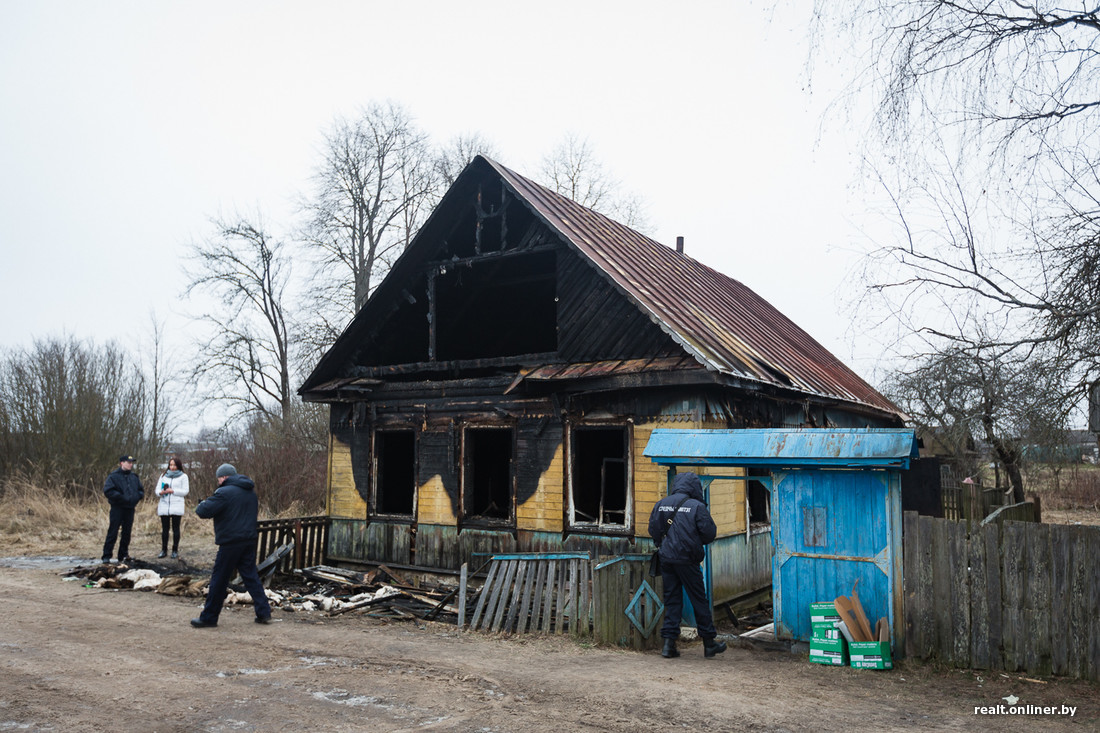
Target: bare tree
x,y
985,135
68,408
245,361
987,112
370,194
1010,400
161,377
573,170
456,155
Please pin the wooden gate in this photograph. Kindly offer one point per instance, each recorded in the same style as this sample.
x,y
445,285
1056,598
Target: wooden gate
x,y
628,608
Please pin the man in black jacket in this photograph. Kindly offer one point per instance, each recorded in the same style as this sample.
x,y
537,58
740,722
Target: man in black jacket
x,y
680,524
234,509
123,490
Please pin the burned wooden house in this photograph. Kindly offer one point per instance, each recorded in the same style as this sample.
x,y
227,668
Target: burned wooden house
x,y
496,392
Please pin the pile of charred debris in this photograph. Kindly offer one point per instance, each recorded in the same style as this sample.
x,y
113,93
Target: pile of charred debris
x,y
380,593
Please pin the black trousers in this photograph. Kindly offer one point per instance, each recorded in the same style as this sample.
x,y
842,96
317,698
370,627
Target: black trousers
x,y
174,520
234,557
679,579
122,518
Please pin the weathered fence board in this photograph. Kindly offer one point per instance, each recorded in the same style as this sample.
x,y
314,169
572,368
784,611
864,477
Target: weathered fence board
x,y
1018,596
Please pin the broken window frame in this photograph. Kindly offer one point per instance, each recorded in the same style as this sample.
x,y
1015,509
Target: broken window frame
x,y
376,474
759,524
600,526
466,481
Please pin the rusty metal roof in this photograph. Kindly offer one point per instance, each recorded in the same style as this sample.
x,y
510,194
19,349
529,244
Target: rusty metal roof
x,y
722,323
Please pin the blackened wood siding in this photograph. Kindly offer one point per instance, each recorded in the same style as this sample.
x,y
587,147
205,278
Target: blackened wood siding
x,y
596,321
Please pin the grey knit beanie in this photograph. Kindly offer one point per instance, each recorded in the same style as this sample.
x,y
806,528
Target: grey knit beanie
x,y
225,470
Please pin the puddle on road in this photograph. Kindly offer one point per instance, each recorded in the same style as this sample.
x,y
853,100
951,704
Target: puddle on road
x,y
45,563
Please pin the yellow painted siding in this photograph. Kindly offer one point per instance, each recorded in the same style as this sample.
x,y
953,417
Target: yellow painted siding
x,y
650,480
343,500
543,511
727,498
433,503
727,501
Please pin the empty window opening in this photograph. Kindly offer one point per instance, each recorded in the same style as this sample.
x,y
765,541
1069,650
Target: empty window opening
x,y
394,471
599,479
758,498
487,483
503,306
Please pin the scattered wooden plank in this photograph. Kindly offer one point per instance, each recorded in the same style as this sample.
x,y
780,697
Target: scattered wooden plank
x,y
433,602
360,604
396,576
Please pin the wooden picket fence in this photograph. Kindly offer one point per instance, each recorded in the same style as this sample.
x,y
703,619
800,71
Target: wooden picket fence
x,y
309,535
1012,596
536,593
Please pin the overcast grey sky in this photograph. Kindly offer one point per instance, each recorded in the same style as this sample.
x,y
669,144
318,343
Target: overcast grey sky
x,y
124,126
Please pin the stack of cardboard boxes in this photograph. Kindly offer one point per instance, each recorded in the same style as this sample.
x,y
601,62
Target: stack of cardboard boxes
x,y
829,646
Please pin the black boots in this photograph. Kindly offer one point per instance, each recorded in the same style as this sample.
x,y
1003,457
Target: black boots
x,y
712,647
163,553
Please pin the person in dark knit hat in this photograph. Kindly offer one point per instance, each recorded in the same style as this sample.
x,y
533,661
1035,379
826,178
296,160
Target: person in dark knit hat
x,y
234,509
123,490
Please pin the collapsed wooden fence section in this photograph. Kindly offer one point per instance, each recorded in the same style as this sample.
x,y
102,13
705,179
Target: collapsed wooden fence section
x,y
1013,596
536,592
309,535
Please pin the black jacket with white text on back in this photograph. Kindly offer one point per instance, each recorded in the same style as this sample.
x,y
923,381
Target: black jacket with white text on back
x,y
682,541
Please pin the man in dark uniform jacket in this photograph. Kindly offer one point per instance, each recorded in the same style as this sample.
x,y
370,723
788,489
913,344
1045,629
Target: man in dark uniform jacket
x,y
123,490
234,509
680,524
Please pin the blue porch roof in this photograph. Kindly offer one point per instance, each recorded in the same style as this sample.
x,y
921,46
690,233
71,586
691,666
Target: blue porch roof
x,y
784,448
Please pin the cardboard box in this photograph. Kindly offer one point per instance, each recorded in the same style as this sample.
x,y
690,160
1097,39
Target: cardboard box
x,y
870,655
825,630
823,612
829,651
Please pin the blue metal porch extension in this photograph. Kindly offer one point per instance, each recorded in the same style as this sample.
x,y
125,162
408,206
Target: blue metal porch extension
x,y
784,448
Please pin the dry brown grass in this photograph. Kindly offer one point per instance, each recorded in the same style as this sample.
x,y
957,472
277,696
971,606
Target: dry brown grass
x,y
1073,488
52,520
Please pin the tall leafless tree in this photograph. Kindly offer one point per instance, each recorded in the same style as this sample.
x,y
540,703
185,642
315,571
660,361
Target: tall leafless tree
x,y
162,373
371,192
1010,401
987,114
573,170
455,155
242,274
999,100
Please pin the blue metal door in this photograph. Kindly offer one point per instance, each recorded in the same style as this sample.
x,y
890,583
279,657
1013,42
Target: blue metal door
x,y
830,529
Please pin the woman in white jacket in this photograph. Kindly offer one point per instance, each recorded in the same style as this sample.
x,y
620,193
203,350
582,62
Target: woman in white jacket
x,y
171,488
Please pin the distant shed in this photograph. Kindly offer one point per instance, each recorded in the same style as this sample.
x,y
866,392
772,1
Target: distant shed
x,y
835,510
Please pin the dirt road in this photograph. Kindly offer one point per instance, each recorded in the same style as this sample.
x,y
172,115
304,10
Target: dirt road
x,y
80,659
